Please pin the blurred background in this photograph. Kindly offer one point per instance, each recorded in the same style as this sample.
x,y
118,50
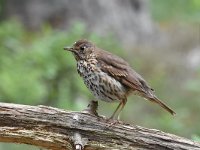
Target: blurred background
x,y
159,38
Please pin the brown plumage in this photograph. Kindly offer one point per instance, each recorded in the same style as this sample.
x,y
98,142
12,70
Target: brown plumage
x,y
109,77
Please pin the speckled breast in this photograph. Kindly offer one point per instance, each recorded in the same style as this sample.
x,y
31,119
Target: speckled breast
x,y
101,85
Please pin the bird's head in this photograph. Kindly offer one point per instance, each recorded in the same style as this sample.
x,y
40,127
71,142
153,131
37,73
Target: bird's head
x,y
82,49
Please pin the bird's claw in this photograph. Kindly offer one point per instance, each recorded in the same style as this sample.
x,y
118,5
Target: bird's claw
x,y
111,122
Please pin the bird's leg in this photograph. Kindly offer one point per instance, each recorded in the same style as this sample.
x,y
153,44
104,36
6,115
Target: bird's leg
x,y
122,107
119,108
110,120
92,108
115,111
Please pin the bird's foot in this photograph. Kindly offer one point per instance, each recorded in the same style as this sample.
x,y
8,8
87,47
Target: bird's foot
x,y
111,122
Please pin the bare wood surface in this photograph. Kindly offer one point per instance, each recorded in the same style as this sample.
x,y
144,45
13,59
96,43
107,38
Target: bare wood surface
x,y
58,129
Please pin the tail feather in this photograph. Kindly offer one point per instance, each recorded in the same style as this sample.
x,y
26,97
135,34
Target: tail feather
x,y
163,105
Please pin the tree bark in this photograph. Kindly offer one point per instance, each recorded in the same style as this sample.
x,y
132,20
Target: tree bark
x,y
58,129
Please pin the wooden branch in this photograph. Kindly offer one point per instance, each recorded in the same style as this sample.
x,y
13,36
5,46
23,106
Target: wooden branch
x,y
57,129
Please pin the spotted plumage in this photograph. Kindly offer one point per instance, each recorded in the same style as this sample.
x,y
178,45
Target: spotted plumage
x,y
101,85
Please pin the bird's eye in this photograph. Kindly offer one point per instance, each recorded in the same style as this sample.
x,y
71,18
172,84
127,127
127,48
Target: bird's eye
x,y
82,48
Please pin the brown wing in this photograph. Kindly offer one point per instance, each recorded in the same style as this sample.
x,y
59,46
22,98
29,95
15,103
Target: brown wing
x,y
120,70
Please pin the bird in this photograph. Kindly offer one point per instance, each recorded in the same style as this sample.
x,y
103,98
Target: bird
x,y
109,77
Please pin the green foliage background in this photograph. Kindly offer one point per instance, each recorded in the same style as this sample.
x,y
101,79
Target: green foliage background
x,y
34,69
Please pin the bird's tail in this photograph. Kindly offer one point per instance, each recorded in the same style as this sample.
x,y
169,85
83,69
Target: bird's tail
x,y
163,105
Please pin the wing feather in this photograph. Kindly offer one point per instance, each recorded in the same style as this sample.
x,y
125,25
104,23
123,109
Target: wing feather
x,y
120,70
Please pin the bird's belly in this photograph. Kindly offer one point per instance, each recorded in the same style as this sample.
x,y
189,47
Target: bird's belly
x,y
103,86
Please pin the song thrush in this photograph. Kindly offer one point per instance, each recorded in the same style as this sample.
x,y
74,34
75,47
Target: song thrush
x,y
109,77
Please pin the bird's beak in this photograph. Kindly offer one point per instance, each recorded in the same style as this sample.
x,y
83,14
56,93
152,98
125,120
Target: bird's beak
x,y
68,49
